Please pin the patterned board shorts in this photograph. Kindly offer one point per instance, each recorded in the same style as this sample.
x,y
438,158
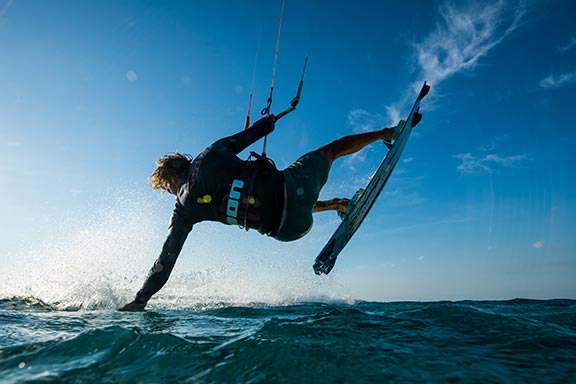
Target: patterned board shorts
x,y
303,180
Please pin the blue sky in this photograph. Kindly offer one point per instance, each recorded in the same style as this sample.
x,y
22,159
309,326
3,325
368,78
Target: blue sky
x,y
482,204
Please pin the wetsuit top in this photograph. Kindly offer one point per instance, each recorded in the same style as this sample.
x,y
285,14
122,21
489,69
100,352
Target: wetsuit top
x,y
221,187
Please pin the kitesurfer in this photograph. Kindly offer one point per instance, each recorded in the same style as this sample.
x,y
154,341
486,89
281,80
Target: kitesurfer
x,y
253,194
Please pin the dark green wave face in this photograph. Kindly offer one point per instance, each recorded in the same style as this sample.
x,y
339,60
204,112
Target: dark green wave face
x,y
468,341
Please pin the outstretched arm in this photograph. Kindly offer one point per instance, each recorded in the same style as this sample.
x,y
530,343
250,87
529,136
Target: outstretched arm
x,y
241,140
160,271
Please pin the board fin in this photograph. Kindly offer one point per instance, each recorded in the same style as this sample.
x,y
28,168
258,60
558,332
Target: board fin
x,y
416,119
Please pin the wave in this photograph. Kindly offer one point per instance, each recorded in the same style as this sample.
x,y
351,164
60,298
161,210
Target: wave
x,y
507,341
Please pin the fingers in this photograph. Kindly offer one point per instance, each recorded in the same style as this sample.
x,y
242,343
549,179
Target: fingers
x,y
133,306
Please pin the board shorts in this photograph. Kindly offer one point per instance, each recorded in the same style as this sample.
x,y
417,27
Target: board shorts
x,y
303,181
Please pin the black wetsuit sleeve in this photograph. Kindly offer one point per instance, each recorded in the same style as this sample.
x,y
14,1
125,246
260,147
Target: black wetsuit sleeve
x,y
160,271
240,141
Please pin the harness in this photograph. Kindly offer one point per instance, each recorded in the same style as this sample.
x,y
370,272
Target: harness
x,y
240,200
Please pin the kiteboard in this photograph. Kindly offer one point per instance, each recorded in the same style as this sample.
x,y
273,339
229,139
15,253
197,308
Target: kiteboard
x,y
364,199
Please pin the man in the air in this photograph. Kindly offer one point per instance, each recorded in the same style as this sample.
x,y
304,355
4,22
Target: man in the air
x,y
253,194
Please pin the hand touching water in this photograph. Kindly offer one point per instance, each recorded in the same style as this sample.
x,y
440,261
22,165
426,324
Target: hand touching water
x,y
133,306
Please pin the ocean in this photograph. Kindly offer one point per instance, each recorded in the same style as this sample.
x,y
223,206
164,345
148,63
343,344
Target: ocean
x,y
243,311
516,341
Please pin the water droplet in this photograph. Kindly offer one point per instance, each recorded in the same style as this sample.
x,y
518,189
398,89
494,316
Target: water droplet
x,y
131,76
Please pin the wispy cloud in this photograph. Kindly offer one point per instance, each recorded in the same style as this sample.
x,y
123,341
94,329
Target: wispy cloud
x,y
471,164
464,35
4,7
571,44
485,158
538,245
363,121
559,80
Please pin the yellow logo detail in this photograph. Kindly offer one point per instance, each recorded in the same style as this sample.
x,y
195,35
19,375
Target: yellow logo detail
x,y
204,199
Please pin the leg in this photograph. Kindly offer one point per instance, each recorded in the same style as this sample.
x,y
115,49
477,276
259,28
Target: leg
x,y
345,146
340,205
353,143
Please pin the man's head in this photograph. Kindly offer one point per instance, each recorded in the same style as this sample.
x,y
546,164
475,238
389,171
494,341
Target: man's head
x,y
170,171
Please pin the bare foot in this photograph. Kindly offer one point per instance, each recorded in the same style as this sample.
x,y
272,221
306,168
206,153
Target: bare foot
x,y
341,205
387,133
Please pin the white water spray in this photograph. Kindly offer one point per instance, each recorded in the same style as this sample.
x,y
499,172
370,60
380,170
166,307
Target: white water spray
x,y
99,260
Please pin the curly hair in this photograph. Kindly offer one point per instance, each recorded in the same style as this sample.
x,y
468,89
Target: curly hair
x,y
170,169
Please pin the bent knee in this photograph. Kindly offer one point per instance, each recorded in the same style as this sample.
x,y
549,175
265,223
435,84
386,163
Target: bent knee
x,y
328,152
